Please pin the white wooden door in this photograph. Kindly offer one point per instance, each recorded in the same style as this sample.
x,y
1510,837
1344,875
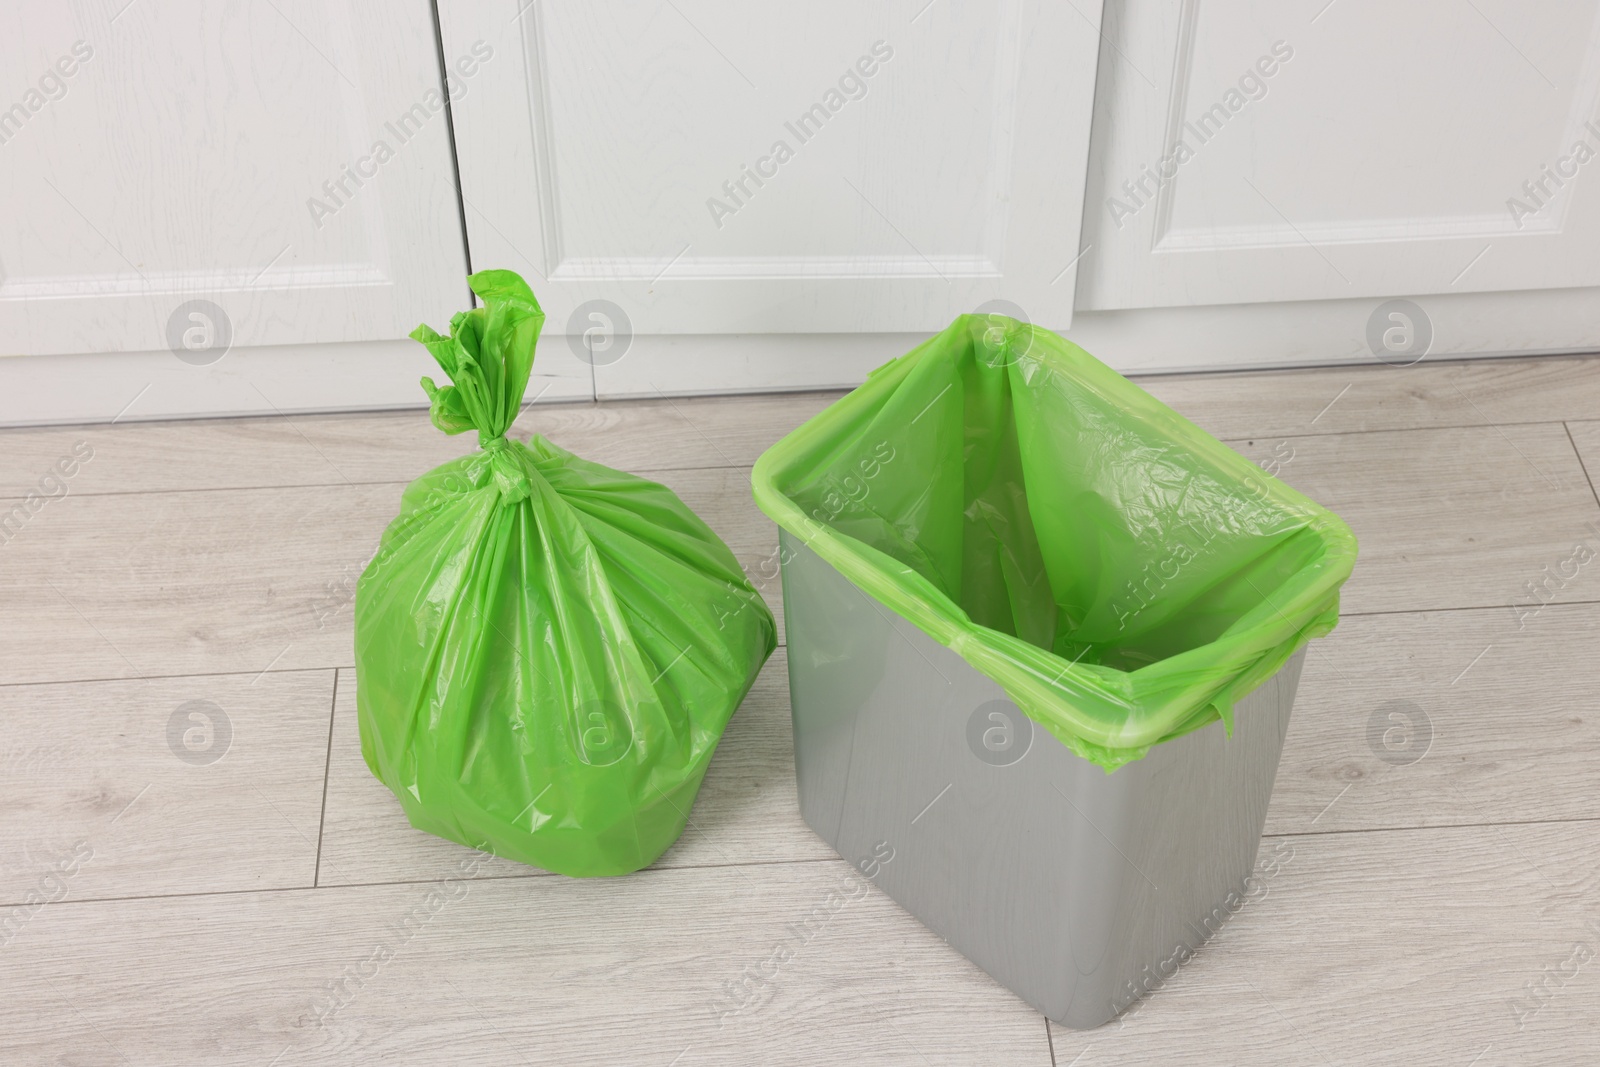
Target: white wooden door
x,y
194,192
1251,152
156,153
709,167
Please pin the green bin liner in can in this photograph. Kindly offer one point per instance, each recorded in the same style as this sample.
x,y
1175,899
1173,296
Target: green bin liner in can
x,y
1121,573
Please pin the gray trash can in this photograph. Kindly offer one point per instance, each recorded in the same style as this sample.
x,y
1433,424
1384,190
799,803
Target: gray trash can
x,y
1071,886
1006,570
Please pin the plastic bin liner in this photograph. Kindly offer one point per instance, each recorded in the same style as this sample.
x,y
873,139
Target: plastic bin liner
x,y
1123,575
547,650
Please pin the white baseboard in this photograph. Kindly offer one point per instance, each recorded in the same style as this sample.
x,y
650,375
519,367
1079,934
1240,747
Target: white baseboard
x,y
1134,342
383,374
702,364
288,379
1532,322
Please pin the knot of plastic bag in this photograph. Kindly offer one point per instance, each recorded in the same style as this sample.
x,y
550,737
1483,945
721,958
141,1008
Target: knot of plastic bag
x,y
506,468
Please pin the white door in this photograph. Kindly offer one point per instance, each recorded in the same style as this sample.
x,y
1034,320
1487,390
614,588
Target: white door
x,y
709,167
1354,152
194,190
169,151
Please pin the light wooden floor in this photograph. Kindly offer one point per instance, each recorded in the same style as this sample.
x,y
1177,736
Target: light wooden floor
x,y
1443,911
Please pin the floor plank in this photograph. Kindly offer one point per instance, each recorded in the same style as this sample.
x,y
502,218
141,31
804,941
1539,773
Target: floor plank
x,y
188,583
249,453
1445,518
1412,947
1444,718
747,811
1378,397
511,972
154,800
125,585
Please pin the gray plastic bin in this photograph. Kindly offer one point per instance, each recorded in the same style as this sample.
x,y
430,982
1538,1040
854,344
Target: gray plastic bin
x,y
1062,881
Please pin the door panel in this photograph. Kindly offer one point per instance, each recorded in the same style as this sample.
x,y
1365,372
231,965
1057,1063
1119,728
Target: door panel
x,y
159,153
713,167
1259,152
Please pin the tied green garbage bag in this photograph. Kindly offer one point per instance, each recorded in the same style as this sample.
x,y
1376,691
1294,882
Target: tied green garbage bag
x,y
1121,573
547,650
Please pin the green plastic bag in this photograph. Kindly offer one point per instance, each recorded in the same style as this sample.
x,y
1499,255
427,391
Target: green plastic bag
x,y
1121,573
547,650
